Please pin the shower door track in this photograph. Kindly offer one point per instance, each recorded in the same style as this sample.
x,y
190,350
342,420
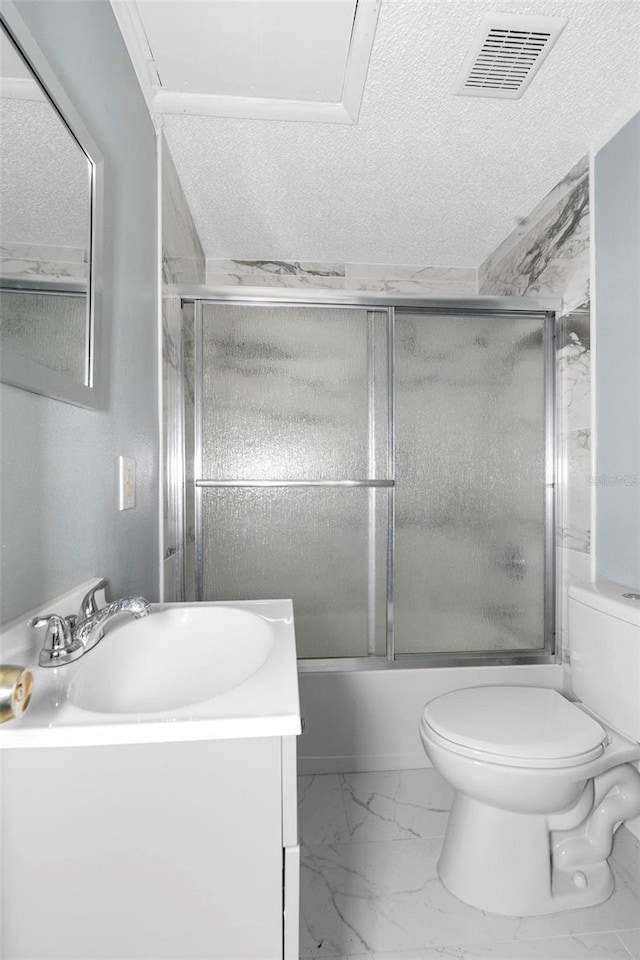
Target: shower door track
x,y
514,306
385,302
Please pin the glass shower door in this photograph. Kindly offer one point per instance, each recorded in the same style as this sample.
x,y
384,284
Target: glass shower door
x,y
390,470
471,497
294,460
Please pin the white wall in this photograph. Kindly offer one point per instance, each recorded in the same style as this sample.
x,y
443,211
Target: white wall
x,y
59,515
617,260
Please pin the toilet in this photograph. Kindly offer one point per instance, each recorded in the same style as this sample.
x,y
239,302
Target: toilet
x,y
543,781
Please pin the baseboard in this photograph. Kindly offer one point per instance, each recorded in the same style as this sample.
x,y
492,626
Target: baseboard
x,y
309,766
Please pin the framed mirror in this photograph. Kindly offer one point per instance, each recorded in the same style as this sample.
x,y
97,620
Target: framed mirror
x,y
50,229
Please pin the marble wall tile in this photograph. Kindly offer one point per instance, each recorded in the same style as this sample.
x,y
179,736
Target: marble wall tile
x,y
573,350
178,431
173,428
574,429
573,376
574,530
276,268
173,578
550,259
183,262
421,288
525,228
418,272
426,281
188,408
376,277
275,273
170,370
290,281
181,270
44,251
183,259
403,288
42,262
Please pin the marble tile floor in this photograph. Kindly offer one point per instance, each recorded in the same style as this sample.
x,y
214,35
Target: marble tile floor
x,y
370,889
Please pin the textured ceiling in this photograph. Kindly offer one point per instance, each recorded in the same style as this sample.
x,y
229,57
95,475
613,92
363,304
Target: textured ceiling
x,y
44,177
45,195
424,177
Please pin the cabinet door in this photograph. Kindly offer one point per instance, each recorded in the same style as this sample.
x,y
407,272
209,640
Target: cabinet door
x,y
146,850
292,903
289,792
291,849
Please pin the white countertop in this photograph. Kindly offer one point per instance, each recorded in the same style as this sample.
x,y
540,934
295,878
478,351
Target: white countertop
x,y
266,704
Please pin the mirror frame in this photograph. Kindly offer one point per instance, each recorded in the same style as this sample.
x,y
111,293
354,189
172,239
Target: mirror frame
x,y
14,369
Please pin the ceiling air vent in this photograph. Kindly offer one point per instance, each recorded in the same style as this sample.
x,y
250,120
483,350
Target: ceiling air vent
x,y
507,52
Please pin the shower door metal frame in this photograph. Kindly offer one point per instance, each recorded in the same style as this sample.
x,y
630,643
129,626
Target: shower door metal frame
x,y
506,306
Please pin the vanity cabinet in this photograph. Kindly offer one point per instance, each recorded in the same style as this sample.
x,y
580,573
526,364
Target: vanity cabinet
x,y
151,850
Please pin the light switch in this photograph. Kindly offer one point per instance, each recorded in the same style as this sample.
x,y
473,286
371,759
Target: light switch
x,y
126,482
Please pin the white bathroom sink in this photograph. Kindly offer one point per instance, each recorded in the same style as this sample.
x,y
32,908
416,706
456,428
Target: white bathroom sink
x,y
213,670
175,657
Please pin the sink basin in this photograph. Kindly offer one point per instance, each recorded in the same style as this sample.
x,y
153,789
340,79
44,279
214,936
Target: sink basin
x,y
175,657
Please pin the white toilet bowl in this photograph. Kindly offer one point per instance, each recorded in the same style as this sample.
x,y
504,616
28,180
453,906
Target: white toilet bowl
x,y
540,787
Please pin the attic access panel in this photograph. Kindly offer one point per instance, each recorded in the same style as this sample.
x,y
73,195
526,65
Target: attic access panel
x,y
261,59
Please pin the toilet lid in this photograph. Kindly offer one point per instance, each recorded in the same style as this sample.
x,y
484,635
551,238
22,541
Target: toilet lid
x,y
526,723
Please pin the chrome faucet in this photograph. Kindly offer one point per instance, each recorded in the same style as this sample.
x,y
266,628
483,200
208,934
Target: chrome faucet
x,y
68,638
59,646
91,630
89,604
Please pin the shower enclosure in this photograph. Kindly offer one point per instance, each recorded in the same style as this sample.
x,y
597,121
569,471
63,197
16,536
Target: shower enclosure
x,y
389,468
48,325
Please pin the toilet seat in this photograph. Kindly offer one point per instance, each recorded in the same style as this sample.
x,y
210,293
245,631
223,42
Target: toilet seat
x,y
514,726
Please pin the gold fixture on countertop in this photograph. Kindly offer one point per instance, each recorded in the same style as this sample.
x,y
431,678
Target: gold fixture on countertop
x,y
16,686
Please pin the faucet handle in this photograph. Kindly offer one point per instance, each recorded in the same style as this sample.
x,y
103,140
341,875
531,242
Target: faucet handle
x,y
58,641
54,622
88,605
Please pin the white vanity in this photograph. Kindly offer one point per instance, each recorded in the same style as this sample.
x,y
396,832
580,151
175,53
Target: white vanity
x,y
159,833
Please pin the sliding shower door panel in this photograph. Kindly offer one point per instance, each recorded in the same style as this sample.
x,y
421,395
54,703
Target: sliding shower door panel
x,y
310,544
469,564
293,440
294,393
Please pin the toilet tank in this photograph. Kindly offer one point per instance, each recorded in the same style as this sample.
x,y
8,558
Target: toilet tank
x,y
604,641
